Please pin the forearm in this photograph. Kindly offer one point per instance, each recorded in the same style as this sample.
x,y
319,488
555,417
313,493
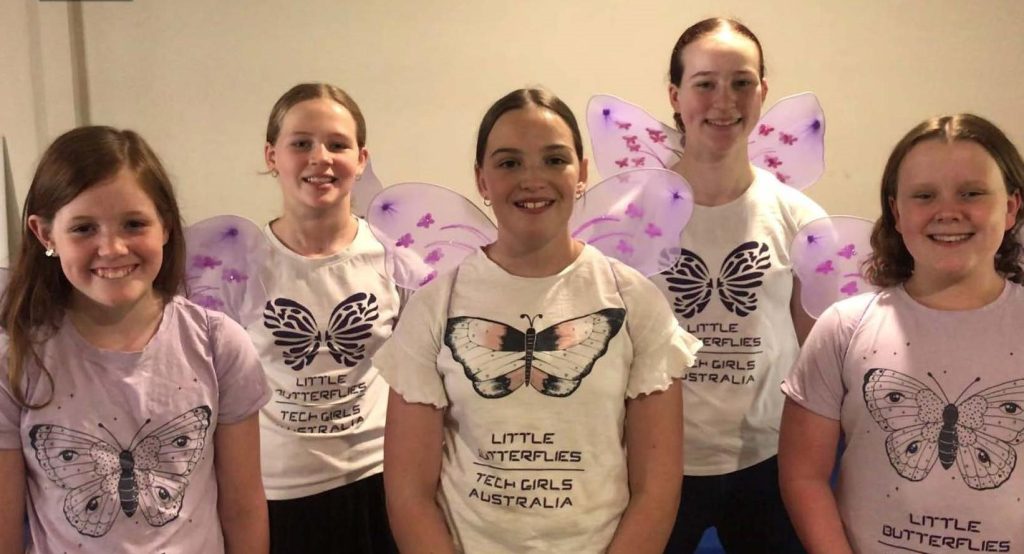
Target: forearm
x,y
648,520
246,529
419,526
812,508
12,497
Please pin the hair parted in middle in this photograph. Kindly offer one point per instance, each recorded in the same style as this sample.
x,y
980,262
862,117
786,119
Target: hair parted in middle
x,y
314,91
890,262
517,100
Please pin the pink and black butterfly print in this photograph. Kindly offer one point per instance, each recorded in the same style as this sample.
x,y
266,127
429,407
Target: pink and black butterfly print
x,y
741,275
103,479
296,331
977,433
500,359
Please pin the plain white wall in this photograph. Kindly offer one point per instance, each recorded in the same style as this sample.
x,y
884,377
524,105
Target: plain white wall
x,y
198,78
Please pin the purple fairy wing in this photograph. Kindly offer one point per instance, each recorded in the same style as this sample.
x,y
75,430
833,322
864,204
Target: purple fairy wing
x,y
364,190
789,141
225,255
635,217
426,230
827,256
624,136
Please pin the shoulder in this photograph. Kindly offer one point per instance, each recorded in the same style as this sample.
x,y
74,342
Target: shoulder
x,y
192,318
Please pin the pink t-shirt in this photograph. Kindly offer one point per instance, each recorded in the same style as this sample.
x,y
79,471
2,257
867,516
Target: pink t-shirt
x,y
121,459
931,405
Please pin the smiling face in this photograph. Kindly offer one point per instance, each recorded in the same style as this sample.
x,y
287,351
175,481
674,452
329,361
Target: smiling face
x,y
720,93
531,174
952,209
316,156
109,240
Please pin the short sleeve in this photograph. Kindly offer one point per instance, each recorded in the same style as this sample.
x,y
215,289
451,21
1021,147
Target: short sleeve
x,y
662,349
242,385
10,411
408,359
816,380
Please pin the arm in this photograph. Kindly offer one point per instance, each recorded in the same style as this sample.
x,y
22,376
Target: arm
x,y
802,322
413,438
241,503
807,451
654,450
12,498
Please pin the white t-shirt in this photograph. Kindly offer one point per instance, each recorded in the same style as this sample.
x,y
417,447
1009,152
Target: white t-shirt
x,y
324,425
122,458
931,405
535,462
732,288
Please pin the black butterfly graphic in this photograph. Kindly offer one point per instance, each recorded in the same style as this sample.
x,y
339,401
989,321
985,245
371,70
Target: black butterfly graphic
x,y
499,359
295,329
741,273
102,478
977,433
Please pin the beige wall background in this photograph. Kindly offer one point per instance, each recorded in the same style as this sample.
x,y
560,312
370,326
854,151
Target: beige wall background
x,y
198,78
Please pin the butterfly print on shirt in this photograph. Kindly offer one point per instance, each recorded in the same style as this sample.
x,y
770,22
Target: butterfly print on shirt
x,y
103,479
499,359
295,330
976,433
740,276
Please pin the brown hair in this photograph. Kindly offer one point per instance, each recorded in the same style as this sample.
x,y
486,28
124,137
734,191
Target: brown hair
x,y
517,100
890,262
37,295
697,31
313,91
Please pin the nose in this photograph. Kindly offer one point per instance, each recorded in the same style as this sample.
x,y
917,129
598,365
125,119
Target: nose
x,y
532,177
112,245
949,210
724,96
318,155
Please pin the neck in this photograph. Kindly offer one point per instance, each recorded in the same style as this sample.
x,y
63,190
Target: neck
x,y
122,329
316,235
716,179
525,260
960,294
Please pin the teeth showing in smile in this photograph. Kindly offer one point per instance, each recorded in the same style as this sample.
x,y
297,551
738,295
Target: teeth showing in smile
x,y
950,238
320,180
723,122
535,204
113,272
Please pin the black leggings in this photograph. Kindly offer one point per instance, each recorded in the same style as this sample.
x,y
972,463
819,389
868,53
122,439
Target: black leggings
x,y
746,508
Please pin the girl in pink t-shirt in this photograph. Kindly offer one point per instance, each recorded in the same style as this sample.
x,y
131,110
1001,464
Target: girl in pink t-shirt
x,y
921,378
98,348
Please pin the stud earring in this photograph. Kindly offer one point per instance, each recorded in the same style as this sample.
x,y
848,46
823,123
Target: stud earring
x,y
579,193
50,252
487,202
274,173
359,176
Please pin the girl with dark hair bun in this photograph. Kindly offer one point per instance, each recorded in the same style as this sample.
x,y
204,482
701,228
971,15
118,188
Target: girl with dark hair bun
x,y
128,415
923,379
734,288
535,402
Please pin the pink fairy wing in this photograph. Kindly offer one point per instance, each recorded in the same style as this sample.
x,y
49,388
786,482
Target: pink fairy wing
x,y
635,217
426,230
624,136
789,141
364,190
827,256
225,256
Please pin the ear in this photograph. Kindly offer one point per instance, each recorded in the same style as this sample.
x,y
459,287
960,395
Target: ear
x,y
481,184
42,229
270,156
895,214
1012,208
673,96
584,163
764,89
364,158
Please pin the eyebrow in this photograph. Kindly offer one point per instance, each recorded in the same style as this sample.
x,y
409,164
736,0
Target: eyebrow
x,y
133,213
548,148
708,73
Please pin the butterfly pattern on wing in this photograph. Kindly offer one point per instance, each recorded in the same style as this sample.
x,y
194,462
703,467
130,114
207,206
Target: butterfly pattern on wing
x,y
103,479
295,330
976,433
741,274
500,359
